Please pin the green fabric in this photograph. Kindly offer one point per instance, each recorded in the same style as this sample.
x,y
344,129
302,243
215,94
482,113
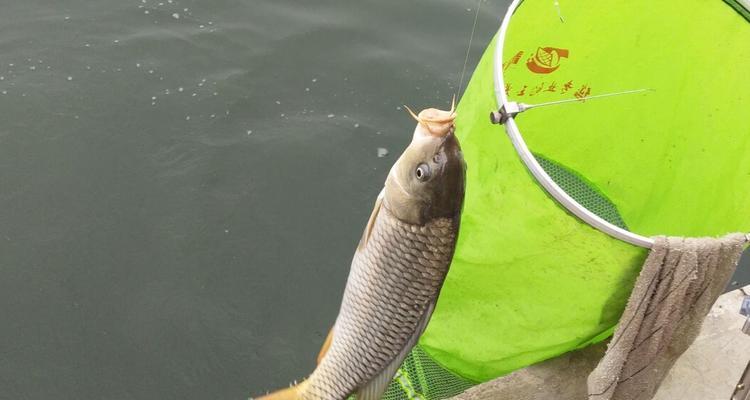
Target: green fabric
x,y
529,281
662,157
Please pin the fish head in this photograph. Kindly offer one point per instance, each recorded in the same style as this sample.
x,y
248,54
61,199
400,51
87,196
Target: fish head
x,y
428,179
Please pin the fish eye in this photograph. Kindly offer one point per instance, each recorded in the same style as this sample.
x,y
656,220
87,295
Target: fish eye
x,y
423,172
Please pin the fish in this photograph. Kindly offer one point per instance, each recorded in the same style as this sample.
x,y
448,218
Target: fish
x,y
398,267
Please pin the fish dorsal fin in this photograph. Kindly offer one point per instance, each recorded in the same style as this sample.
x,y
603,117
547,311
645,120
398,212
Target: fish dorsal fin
x,y
375,389
371,221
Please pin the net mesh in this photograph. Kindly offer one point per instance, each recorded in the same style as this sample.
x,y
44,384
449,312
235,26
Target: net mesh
x,y
581,191
420,377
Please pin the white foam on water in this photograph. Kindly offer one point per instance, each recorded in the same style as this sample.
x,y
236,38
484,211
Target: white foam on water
x,y
331,115
176,15
382,152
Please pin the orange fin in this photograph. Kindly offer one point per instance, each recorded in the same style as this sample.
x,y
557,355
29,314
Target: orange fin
x,y
292,393
371,221
326,346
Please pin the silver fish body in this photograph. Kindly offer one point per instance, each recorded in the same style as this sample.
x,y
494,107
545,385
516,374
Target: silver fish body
x,y
392,287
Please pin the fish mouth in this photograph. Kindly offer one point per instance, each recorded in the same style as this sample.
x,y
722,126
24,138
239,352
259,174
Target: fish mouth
x,y
437,122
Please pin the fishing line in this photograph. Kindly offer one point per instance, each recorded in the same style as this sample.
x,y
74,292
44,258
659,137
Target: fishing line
x,y
524,106
468,49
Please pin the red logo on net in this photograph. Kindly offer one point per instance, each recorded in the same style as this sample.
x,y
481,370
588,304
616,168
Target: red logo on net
x,y
546,60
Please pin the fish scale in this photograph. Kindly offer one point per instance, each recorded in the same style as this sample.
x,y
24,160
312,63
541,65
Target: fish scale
x,y
394,280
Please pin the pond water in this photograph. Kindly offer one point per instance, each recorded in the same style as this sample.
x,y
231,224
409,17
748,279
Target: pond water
x,y
183,182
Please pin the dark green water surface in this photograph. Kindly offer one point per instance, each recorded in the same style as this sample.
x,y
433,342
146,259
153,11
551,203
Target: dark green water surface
x,y
183,182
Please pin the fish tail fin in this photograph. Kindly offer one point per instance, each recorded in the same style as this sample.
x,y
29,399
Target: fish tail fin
x,y
291,393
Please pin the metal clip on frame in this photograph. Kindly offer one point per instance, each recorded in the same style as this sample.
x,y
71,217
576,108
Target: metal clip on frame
x,y
506,111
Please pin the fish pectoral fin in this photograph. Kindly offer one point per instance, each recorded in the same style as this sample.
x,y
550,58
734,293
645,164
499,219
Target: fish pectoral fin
x,y
375,389
371,221
326,346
